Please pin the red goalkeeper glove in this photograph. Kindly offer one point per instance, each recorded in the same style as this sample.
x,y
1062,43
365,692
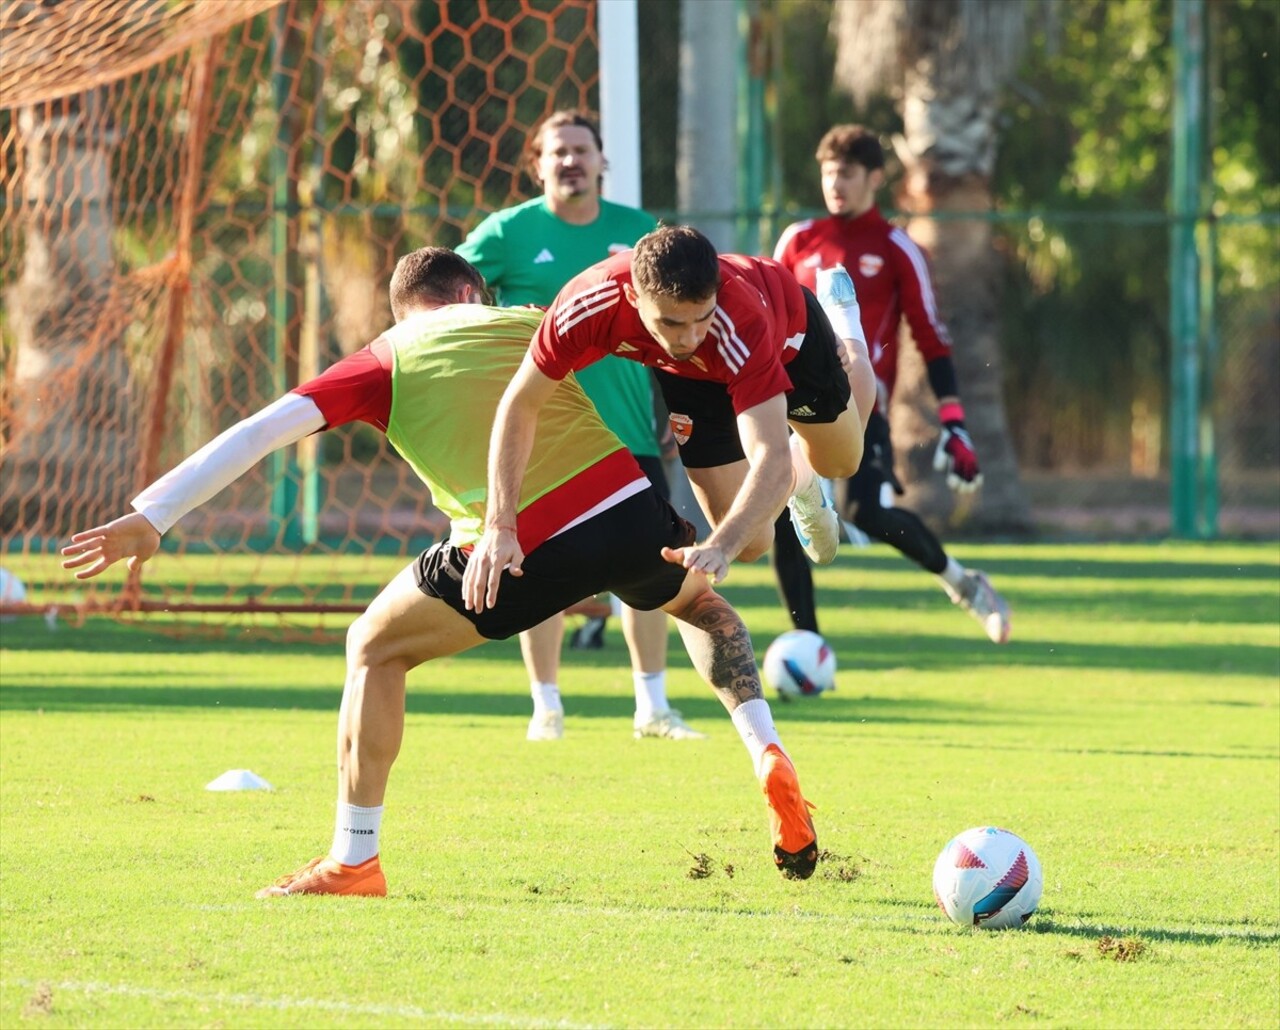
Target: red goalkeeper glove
x,y
955,454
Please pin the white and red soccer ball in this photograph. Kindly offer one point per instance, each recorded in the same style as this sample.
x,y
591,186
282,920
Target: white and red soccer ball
x,y
800,663
988,877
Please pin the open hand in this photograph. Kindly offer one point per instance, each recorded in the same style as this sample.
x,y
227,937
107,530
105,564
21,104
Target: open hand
x,y
710,561
130,536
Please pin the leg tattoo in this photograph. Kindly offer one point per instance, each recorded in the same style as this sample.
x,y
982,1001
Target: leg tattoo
x,y
720,648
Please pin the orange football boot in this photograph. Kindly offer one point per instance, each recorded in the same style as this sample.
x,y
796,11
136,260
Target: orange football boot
x,y
325,875
795,842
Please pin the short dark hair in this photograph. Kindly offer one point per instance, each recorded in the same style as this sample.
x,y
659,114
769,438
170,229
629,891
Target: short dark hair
x,y
431,275
676,261
556,119
851,144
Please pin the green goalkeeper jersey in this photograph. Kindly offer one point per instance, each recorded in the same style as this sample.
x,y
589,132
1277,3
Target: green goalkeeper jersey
x,y
527,254
449,369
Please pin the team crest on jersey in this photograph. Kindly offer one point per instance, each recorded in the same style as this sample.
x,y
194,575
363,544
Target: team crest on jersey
x,y
681,428
869,265
618,248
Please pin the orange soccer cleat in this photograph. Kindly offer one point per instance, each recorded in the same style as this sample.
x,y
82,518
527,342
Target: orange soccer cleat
x,y
325,875
795,843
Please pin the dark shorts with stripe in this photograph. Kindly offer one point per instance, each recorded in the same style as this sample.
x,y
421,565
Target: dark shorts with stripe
x,y
618,551
819,393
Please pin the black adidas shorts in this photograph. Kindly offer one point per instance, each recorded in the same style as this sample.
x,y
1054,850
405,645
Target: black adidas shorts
x,y
704,415
618,551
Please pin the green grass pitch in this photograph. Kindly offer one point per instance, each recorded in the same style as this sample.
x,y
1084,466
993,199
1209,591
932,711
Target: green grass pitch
x,y
1130,732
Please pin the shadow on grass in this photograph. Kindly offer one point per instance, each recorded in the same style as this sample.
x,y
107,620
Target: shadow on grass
x,y
426,700
1246,935
1082,566
1047,921
1255,606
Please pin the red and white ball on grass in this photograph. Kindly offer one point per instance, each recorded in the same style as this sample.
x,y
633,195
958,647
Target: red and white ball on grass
x,y
799,663
988,877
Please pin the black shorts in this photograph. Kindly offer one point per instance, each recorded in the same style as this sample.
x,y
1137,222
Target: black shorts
x,y
616,551
704,413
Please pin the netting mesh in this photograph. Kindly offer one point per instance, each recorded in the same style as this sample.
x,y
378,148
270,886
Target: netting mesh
x,y
202,209
55,49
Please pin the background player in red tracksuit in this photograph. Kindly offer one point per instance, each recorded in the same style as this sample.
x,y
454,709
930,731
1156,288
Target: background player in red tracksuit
x,y
892,280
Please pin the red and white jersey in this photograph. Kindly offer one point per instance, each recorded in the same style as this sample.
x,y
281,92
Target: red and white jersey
x,y
758,325
889,272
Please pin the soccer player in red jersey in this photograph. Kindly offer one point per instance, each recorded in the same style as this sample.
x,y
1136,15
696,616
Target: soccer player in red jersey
x,y
891,277
740,350
589,519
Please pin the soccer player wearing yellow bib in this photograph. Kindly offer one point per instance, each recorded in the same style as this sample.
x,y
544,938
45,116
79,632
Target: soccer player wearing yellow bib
x,y
526,253
587,518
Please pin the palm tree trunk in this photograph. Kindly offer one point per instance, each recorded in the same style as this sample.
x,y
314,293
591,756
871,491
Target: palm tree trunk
x,y
967,281
946,63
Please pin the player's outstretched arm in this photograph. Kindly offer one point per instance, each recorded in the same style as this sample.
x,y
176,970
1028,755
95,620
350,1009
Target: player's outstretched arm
x,y
129,537
217,464
510,444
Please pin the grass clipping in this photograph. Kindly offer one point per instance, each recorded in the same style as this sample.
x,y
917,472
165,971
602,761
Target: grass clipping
x,y
1123,949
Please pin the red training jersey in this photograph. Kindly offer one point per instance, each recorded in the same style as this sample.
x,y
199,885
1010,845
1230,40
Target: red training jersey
x,y
889,272
758,325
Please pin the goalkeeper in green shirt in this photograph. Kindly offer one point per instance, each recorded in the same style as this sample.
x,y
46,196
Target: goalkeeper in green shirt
x,y
526,254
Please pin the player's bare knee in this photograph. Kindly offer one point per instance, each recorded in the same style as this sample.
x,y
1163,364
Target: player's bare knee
x,y
839,466
358,635
368,643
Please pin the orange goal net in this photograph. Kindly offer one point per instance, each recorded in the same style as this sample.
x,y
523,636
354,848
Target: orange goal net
x,y
201,206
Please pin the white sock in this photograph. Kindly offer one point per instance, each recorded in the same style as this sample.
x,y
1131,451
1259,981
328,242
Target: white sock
x,y
546,698
355,834
801,471
754,722
953,574
651,695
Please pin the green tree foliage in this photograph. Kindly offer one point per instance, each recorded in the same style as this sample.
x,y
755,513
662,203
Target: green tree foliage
x,y
807,104
1087,141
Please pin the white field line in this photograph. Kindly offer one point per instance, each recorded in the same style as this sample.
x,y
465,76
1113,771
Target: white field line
x,y
345,1008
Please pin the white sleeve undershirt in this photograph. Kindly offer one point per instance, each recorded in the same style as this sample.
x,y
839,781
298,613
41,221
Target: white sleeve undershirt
x,y
226,457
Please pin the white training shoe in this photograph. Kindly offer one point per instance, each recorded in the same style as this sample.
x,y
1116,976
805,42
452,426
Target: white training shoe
x,y
816,523
668,725
979,598
548,725
834,288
